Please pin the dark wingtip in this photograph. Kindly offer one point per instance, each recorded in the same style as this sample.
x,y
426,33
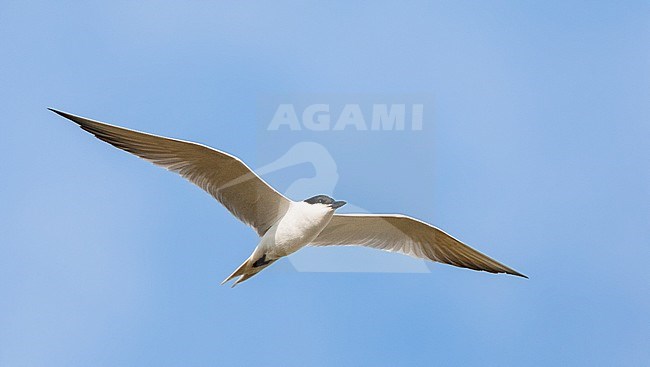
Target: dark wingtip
x,y
60,113
518,274
69,116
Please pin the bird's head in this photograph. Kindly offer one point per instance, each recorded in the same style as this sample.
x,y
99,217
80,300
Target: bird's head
x,y
325,200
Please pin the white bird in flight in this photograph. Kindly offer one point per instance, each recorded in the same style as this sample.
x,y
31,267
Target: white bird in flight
x,y
285,226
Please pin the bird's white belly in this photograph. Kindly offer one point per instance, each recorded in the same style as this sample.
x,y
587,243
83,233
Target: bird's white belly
x,y
299,226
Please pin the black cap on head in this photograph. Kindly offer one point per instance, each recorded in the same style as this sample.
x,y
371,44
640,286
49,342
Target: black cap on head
x,y
325,200
320,199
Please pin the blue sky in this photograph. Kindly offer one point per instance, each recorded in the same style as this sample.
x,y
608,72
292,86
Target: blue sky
x,y
534,149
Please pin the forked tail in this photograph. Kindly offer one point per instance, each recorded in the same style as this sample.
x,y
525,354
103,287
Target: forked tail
x,y
249,268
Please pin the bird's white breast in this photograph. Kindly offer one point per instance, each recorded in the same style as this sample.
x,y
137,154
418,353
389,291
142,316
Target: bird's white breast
x,y
299,226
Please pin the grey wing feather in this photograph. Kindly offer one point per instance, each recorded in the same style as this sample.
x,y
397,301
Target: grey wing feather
x,y
222,175
406,235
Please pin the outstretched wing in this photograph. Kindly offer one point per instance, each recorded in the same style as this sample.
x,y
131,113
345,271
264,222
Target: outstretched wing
x,y
406,235
222,175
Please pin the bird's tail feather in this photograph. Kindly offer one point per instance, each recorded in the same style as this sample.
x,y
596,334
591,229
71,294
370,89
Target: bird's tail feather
x,y
244,271
241,270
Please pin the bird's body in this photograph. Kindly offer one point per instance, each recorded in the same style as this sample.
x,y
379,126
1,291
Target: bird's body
x,y
296,229
285,226
300,225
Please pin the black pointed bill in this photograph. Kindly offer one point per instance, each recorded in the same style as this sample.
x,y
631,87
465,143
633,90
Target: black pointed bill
x,y
338,204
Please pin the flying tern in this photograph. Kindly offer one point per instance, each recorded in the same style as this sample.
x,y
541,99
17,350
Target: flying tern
x,y
285,226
